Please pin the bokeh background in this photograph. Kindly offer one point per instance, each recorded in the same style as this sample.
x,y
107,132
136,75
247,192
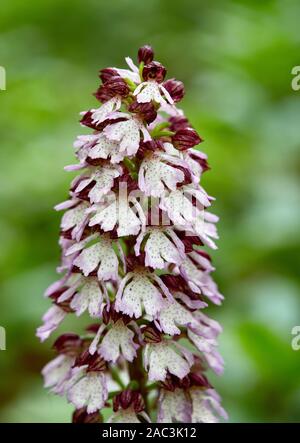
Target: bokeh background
x,y
235,58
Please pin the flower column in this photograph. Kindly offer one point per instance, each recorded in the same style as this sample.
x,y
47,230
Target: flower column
x,y
132,239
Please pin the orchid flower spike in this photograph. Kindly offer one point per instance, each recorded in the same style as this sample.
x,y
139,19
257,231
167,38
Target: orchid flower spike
x,y
134,238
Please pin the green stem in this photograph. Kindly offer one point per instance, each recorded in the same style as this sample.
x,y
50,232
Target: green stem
x,y
129,164
161,126
131,84
141,67
116,377
152,386
162,134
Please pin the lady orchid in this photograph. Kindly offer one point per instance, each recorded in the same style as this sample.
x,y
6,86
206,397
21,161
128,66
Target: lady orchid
x,y
132,238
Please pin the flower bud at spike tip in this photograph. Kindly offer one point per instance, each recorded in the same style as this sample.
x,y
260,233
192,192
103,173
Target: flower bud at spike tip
x,y
145,54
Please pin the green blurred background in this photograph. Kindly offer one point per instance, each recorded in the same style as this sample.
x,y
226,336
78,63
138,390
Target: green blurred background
x,y
235,58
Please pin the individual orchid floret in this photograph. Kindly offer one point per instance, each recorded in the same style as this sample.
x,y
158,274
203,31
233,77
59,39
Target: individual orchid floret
x,y
95,147
151,91
166,357
199,332
87,386
154,71
153,74
131,74
83,144
186,210
195,161
101,257
162,247
191,399
83,293
118,211
173,315
207,346
89,297
175,88
145,54
118,341
127,132
106,74
181,291
101,114
174,406
116,338
185,206
51,320
152,88
58,371
203,333
144,111
127,406
140,290
114,86
177,122
206,406
100,181
159,172
186,138
75,218
194,269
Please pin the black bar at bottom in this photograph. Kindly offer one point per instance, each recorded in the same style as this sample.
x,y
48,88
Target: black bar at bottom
x,y
132,432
